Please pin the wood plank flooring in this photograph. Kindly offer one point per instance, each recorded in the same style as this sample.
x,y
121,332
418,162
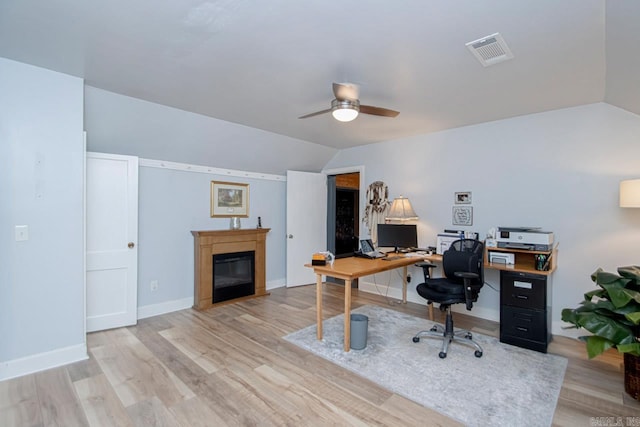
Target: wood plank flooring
x,y
229,366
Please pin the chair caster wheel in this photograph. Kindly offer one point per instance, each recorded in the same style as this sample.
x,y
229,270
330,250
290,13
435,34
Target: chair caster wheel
x,y
416,339
442,354
468,336
478,353
434,329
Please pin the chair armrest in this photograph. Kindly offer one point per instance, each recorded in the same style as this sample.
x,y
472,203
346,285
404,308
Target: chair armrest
x,y
426,269
468,291
425,264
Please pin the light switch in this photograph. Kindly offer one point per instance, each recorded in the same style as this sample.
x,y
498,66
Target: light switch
x,y
22,233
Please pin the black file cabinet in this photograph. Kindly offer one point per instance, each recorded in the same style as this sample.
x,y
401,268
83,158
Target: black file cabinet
x,y
525,310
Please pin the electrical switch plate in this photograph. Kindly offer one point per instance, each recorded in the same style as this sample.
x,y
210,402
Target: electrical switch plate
x,y
22,233
154,285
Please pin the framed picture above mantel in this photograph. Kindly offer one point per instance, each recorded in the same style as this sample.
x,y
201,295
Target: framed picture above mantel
x,y
229,199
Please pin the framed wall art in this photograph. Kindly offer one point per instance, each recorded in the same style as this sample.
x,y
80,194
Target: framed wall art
x,y
462,215
463,198
229,199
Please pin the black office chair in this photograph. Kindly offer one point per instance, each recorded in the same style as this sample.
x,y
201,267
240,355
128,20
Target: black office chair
x,y
463,266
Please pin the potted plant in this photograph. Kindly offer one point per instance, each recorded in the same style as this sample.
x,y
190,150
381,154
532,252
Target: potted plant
x,y
612,314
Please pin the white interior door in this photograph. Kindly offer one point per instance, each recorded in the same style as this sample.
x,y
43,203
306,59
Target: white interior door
x,y
306,223
112,237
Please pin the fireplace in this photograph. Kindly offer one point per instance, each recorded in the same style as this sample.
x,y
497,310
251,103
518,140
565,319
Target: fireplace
x,y
214,245
233,275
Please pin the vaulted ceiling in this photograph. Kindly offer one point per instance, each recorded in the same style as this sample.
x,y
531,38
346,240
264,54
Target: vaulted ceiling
x,y
265,63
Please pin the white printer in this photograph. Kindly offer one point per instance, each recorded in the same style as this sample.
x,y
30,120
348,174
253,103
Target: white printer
x,y
527,238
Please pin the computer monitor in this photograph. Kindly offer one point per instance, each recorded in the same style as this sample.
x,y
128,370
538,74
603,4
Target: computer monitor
x,y
398,236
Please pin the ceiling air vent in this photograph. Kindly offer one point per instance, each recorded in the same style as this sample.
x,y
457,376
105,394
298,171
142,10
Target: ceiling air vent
x,y
490,49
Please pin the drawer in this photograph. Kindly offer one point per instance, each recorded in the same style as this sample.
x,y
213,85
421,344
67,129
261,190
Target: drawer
x,y
523,323
523,290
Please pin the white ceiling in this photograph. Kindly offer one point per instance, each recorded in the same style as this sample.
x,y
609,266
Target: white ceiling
x,y
264,63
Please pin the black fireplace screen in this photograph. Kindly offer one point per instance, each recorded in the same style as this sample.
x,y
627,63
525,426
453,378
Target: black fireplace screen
x,y
233,275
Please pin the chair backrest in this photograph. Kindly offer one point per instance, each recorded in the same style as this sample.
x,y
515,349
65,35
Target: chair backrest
x,y
464,255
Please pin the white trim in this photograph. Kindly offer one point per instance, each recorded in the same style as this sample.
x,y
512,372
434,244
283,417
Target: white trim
x,y
84,236
273,284
346,169
557,329
185,167
164,307
42,361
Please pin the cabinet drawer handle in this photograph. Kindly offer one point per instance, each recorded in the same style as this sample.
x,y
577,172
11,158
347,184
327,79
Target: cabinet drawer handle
x,y
522,296
520,328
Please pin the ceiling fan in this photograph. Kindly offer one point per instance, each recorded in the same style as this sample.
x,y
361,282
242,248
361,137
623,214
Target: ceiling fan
x,y
346,106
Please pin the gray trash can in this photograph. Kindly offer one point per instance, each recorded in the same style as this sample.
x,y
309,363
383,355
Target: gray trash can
x,y
359,326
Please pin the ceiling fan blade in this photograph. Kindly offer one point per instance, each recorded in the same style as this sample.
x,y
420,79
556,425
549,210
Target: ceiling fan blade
x,y
317,113
345,91
377,111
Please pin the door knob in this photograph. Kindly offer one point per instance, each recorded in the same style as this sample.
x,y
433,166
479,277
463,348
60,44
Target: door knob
x,y
290,236
131,245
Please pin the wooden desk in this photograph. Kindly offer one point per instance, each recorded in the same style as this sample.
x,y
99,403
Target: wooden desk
x,y
351,268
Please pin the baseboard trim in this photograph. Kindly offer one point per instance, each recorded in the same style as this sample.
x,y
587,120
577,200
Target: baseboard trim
x,y
273,284
42,361
557,328
164,307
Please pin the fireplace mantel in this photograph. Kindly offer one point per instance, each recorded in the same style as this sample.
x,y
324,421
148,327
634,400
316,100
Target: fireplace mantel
x,y
213,242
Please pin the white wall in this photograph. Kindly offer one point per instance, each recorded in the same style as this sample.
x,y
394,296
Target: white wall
x,y
123,125
41,186
172,203
559,170
623,57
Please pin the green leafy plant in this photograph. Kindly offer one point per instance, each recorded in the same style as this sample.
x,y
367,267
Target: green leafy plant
x,y
611,312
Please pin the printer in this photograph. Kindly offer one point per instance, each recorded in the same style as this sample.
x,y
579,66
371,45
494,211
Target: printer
x,y
527,238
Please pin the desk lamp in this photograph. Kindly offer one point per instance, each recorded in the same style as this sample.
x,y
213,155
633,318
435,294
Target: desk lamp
x,y
401,210
630,193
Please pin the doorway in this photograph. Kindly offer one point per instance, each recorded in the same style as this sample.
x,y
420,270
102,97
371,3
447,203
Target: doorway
x,y
111,239
310,220
343,216
343,213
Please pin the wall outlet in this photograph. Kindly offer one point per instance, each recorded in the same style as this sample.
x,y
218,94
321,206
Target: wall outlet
x,y
22,233
154,285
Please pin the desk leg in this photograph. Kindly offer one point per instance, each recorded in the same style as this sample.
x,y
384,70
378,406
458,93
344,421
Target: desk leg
x,y
347,315
404,284
319,306
430,306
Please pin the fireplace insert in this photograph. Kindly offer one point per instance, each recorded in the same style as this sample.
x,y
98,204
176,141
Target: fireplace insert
x,y
233,275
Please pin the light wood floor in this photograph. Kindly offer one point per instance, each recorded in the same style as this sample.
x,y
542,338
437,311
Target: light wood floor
x,y
230,366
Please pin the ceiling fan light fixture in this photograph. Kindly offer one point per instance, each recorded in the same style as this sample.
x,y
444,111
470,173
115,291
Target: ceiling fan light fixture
x,y
345,110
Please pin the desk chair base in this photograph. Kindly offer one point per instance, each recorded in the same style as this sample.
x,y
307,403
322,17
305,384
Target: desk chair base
x,y
447,334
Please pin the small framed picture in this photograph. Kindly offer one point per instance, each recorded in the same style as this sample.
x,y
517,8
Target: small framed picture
x,y
463,198
229,199
462,215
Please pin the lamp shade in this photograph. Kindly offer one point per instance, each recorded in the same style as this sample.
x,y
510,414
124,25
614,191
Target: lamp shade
x,y
630,193
401,210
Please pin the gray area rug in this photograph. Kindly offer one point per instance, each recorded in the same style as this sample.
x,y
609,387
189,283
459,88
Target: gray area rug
x,y
507,386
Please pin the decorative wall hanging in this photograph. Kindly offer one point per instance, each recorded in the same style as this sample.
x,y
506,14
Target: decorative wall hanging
x,y
462,215
463,198
377,208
